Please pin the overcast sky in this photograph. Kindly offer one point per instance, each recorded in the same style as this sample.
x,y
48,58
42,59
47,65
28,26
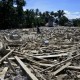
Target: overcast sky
x,y
71,7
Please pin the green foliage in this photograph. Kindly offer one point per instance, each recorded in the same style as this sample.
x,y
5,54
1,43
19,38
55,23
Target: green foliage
x,y
76,22
63,20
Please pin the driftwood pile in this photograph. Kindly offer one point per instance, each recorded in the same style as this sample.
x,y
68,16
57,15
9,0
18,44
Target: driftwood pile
x,y
54,54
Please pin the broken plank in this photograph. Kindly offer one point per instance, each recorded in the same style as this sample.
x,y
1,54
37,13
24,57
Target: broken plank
x,y
2,75
51,56
6,55
26,69
62,68
74,67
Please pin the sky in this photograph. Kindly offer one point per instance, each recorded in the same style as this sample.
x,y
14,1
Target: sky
x,y
70,7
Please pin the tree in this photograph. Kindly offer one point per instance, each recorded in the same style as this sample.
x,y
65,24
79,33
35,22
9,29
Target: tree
x,y
52,13
16,17
60,13
63,20
6,12
11,16
37,12
76,22
20,4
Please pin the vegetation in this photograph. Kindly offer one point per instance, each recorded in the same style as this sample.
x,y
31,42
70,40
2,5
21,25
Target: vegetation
x,y
16,17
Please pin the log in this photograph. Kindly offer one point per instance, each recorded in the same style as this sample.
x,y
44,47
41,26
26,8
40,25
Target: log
x,y
62,68
26,69
51,56
6,55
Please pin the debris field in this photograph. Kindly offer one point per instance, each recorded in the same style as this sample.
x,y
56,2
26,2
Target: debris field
x,y
54,54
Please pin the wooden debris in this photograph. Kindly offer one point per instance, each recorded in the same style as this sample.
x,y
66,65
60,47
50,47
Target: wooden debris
x,y
6,55
38,63
45,56
2,48
26,69
37,73
51,56
73,67
62,68
2,74
9,63
62,62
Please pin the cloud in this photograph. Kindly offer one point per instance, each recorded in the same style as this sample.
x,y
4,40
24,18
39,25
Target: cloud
x,y
72,15
15,5
24,8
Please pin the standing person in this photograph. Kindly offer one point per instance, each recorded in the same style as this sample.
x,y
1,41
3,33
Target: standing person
x,y
38,30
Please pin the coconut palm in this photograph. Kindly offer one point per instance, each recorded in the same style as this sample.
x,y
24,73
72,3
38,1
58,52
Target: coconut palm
x,y
60,13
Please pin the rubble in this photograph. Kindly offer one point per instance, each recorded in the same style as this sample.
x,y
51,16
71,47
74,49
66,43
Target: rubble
x,y
54,54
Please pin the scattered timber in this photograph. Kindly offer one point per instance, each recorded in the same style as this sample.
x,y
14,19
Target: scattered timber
x,y
6,55
26,69
62,68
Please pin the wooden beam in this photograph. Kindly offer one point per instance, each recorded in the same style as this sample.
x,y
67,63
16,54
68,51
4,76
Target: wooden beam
x,y
26,69
6,55
51,56
74,67
62,68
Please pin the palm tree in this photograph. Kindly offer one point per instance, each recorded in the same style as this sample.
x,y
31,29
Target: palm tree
x,y
52,13
20,2
47,13
37,12
60,13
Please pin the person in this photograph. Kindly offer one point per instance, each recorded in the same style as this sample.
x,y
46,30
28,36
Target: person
x,y
38,30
